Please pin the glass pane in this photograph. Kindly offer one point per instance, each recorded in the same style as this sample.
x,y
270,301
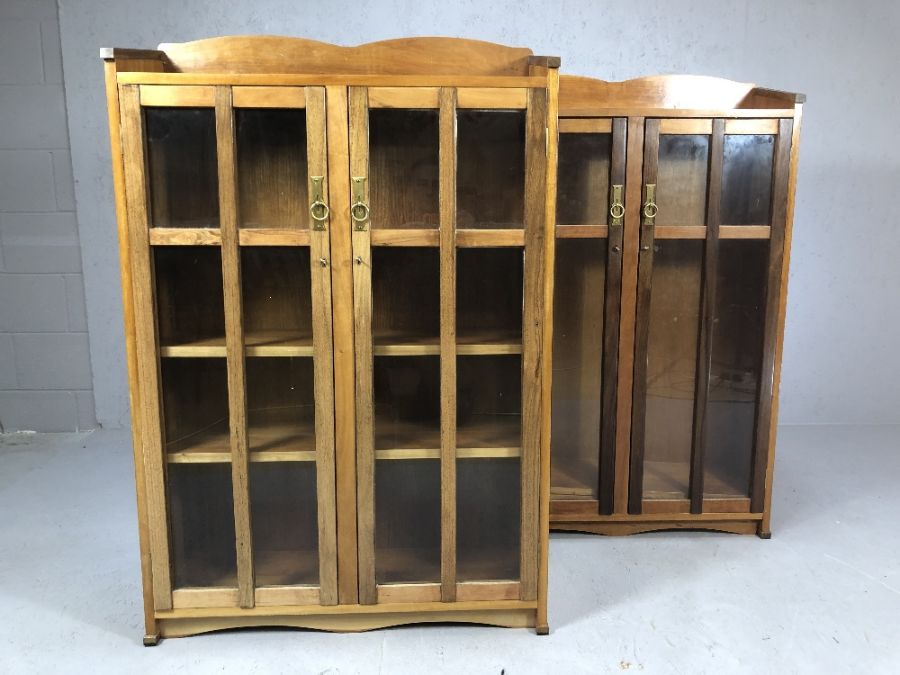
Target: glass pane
x,y
403,168
583,182
407,402
577,367
285,526
489,286
490,173
271,168
195,405
488,515
189,302
747,179
181,165
489,401
407,520
280,407
201,522
405,295
671,367
681,180
736,366
277,300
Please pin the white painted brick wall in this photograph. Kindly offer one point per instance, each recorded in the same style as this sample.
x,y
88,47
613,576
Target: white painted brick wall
x,y
45,368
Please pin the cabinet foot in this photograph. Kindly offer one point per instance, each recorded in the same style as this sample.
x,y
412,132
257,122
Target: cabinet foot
x,y
151,640
543,629
764,534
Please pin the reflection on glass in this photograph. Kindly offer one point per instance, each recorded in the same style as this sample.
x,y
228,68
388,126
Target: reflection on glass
x,y
181,165
195,405
201,523
489,287
285,527
271,168
403,168
407,402
682,179
405,294
490,174
747,179
277,300
280,408
407,521
489,401
583,179
189,301
577,367
671,367
736,365
488,516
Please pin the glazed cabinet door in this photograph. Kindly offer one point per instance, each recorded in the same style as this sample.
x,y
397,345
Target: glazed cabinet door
x,y
228,220
590,216
447,253
711,245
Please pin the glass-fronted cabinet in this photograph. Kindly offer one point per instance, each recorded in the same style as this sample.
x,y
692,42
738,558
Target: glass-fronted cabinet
x,y
335,301
667,319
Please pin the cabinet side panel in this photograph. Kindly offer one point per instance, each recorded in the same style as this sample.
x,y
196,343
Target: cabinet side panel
x,y
118,172
146,342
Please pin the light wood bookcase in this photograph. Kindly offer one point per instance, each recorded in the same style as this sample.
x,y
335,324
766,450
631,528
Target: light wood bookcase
x,y
675,204
336,291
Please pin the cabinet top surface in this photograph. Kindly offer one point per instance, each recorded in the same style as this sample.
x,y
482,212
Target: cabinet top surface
x,y
260,55
659,94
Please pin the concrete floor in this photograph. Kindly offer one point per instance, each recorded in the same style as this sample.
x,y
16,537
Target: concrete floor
x,y
822,596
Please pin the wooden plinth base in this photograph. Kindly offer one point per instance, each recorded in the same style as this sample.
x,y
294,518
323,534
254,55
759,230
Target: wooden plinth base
x,y
625,526
348,623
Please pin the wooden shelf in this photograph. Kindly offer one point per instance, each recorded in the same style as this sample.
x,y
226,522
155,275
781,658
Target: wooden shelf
x,y
256,344
568,483
471,344
485,437
670,480
271,443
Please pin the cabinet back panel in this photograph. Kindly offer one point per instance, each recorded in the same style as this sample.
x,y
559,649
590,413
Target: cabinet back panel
x,y
747,179
490,177
201,517
403,168
488,519
736,363
577,364
671,367
182,168
190,303
271,168
682,178
285,523
582,196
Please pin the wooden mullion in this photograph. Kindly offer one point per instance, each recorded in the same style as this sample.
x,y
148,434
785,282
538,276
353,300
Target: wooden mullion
x,y
447,162
323,366
612,311
642,326
532,335
234,345
362,328
627,316
147,362
707,313
342,331
764,402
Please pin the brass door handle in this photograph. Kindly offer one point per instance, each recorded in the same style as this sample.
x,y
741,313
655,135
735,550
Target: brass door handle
x,y
359,210
650,208
318,210
617,209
